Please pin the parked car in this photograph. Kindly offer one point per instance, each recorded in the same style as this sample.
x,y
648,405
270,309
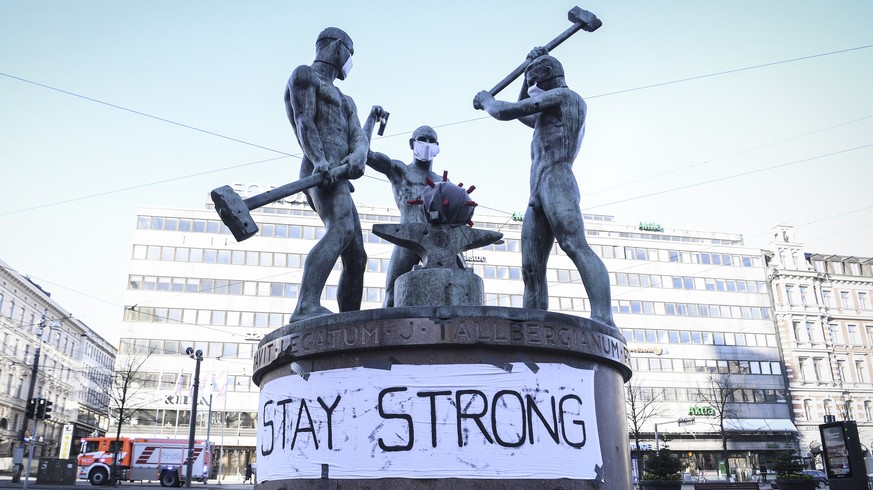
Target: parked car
x,y
821,479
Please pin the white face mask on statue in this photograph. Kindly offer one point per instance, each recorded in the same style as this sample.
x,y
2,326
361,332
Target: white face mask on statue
x,y
347,67
424,151
534,91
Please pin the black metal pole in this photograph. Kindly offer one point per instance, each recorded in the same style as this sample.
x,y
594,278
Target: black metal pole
x,y
197,356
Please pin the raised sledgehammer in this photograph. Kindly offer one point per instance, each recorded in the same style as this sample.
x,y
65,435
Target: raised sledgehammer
x,y
235,212
581,19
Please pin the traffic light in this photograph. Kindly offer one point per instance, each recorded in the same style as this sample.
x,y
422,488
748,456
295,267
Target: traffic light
x,y
30,411
43,408
47,410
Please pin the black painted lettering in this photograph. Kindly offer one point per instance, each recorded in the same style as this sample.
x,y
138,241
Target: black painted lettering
x,y
267,423
283,404
433,424
406,417
299,428
552,430
577,445
522,436
463,412
329,411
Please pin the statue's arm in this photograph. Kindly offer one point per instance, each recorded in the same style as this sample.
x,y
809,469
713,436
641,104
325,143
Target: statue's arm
x,y
522,95
301,101
381,163
375,160
525,108
376,113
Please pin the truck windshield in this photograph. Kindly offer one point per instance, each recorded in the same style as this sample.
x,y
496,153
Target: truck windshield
x,y
88,447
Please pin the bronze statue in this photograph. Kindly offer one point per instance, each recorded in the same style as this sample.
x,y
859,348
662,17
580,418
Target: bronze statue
x,y
557,116
408,181
326,124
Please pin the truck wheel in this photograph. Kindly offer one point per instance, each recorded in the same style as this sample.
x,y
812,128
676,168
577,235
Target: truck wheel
x,y
169,479
98,477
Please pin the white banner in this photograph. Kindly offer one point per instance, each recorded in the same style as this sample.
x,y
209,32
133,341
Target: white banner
x,y
437,421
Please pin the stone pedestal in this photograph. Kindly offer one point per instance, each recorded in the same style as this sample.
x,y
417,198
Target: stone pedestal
x,y
443,397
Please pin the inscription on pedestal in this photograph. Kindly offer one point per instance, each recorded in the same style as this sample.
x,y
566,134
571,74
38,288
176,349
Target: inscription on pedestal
x,y
436,331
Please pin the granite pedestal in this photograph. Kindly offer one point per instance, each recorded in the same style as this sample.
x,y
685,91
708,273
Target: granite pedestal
x,y
443,397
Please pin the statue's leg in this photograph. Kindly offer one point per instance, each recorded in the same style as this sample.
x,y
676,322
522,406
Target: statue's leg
x,y
328,203
402,261
350,288
536,244
565,215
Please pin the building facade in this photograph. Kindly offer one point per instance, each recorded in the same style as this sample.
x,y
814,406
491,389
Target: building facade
x,y
824,319
73,366
694,308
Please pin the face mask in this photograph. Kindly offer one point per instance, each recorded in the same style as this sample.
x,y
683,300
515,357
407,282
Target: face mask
x,y
424,151
347,68
533,90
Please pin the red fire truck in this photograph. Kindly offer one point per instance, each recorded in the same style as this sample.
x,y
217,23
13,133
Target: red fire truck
x,y
139,459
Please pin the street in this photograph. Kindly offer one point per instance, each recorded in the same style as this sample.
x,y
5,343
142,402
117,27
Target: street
x,y
230,484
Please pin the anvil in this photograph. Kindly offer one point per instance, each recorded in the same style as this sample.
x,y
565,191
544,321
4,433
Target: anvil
x,y
437,245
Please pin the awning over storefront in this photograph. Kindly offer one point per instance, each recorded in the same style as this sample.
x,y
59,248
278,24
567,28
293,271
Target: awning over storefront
x,y
760,425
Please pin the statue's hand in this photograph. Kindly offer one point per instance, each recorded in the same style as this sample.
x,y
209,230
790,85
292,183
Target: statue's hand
x,y
323,168
481,99
377,113
537,52
356,166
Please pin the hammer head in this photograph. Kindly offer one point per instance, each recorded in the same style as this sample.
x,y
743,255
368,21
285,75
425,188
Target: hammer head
x,y
586,19
234,213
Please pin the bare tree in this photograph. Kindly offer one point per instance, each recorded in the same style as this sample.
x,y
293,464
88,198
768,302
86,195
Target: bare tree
x,y
127,394
719,395
641,404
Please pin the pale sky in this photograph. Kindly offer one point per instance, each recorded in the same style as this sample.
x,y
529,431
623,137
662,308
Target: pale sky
x,y
108,106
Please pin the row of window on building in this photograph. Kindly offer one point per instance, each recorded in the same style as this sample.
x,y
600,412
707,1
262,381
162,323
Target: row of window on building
x,y
738,395
827,298
829,407
508,245
818,370
707,366
652,336
164,347
810,332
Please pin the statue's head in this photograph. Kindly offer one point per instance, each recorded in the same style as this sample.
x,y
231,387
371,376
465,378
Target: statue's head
x,y
542,69
424,144
424,133
334,47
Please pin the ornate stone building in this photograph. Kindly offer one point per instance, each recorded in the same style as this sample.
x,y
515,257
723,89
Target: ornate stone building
x,y
824,320
74,366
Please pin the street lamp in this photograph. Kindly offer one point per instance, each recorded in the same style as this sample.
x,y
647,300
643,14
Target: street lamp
x,y
198,357
32,388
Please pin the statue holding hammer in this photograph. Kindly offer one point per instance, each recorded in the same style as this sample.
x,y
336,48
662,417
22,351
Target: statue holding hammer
x,y
326,124
557,116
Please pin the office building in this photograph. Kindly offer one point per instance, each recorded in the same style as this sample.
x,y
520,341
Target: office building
x,y
693,306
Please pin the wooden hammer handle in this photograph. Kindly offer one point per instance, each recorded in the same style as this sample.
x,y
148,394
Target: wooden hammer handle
x,y
554,43
286,190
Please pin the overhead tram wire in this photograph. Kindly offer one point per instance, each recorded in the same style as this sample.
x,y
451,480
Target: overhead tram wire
x,y
219,135
139,186
728,177
724,157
